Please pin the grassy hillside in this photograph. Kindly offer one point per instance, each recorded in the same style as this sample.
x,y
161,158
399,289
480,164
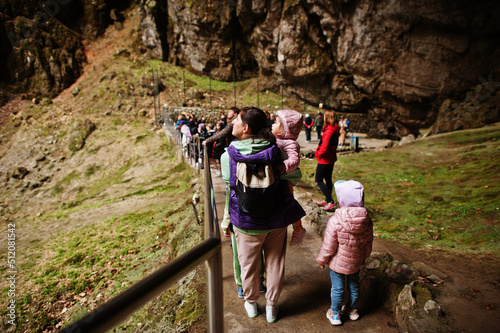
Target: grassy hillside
x,y
89,222
438,192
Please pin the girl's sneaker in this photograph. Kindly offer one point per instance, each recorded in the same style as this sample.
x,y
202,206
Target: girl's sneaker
x,y
297,236
321,204
240,293
353,314
333,318
330,207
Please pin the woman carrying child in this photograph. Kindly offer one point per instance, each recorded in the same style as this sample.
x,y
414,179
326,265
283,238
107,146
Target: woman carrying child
x,y
347,244
259,230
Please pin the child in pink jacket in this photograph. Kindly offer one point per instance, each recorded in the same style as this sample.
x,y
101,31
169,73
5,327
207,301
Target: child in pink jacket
x,y
346,245
286,129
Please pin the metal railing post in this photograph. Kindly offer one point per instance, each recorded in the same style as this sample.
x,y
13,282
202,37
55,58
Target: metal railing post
x,y
305,93
258,91
281,86
234,87
215,302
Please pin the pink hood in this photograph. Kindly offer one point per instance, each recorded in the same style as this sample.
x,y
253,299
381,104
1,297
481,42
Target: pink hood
x,y
292,123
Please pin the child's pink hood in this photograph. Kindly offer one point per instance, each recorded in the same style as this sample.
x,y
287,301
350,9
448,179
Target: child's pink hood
x,y
292,123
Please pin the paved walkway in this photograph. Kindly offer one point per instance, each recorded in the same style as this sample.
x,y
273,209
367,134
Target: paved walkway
x,y
306,293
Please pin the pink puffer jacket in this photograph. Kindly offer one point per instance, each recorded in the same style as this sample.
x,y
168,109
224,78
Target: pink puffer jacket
x,y
292,125
348,240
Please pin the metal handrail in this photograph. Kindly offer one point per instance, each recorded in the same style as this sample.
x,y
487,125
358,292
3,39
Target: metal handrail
x,y
120,307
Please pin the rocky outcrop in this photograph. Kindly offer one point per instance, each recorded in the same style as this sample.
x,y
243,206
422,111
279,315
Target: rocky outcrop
x,y
79,133
401,65
415,309
205,37
480,106
42,51
153,28
393,61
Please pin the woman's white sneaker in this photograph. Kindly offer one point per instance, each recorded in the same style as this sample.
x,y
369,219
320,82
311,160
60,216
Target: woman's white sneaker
x,y
271,313
251,309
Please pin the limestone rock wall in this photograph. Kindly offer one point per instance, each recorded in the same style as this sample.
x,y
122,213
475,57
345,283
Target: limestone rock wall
x,y
394,61
41,41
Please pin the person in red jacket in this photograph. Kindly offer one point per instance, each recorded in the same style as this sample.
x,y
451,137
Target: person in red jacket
x,y
326,154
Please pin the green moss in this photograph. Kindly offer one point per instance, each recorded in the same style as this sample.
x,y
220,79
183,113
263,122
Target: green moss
x,y
422,295
91,170
441,201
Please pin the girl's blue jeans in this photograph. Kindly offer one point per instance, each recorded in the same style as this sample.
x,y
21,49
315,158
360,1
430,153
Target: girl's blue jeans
x,y
338,287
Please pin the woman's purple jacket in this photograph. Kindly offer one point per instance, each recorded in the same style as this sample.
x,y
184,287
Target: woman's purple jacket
x,y
287,209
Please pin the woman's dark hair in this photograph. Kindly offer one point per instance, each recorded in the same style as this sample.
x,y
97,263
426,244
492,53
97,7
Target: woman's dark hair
x,y
256,120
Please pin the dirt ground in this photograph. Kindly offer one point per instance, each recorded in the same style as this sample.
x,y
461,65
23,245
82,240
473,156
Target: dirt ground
x,y
469,297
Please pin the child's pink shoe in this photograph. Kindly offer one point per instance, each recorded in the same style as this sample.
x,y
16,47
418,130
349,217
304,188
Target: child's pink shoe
x,y
330,207
297,236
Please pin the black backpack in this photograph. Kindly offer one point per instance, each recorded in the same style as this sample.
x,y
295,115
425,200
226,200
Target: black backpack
x,y
255,188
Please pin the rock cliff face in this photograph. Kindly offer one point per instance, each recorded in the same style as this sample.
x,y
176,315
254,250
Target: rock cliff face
x,y
404,65
42,51
395,61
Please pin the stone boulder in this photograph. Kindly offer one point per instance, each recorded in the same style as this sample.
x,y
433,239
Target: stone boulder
x,y
79,133
414,317
400,272
19,173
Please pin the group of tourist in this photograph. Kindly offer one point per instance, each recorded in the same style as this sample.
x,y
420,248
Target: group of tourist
x,y
216,136
263,150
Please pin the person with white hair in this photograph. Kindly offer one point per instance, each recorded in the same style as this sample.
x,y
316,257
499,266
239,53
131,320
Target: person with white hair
x,y
308,125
